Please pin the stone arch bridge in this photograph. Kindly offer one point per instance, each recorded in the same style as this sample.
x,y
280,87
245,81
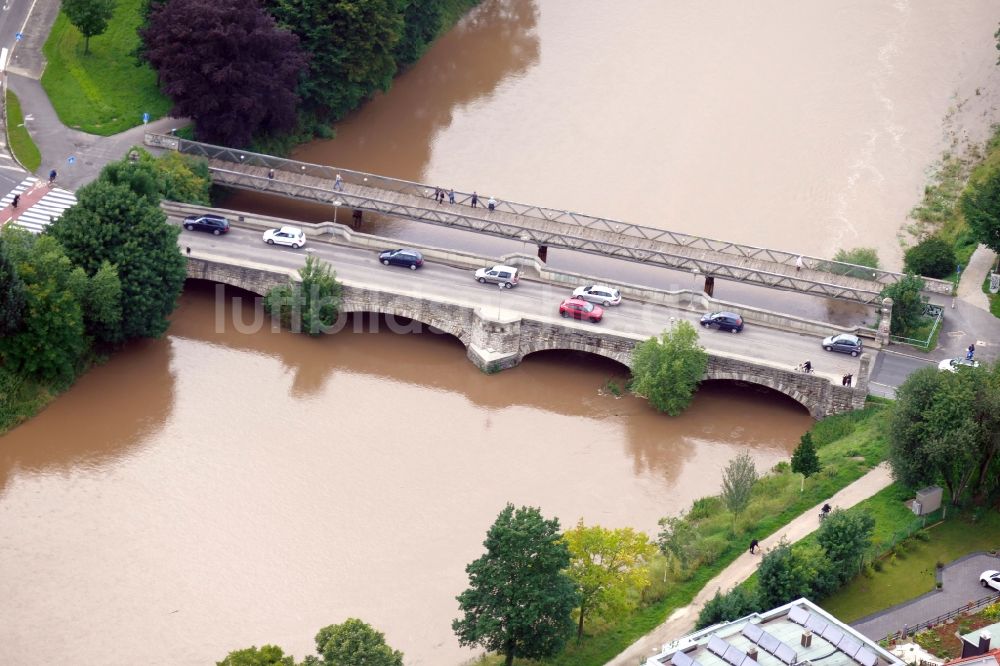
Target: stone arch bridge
x,y
495,343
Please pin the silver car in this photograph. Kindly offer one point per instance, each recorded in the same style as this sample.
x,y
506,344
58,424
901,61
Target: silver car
x,y
598,293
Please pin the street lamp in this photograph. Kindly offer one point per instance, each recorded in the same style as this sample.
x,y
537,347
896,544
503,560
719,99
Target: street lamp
x,y
524,240
499,299
336,206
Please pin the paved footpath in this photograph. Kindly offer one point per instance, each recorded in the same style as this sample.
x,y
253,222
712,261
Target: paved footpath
x,y
682,620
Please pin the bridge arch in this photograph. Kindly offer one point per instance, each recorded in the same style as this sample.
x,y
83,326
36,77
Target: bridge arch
x,y
622,357
771,381
401,310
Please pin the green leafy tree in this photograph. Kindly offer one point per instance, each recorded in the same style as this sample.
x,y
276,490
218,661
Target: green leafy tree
x,y
267,655
90,17
907,306
788,572
122,224
679,538
175,176
738,481
980,204
667,371
102,313
51,339
354,643
932,256
607,566
846,537
12,297
859,256
311,305
519,601
738,602
804,458
943,428
351,45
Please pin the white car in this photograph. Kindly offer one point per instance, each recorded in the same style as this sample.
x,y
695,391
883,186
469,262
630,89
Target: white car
x,y
990,579
598,293
953,364
292,236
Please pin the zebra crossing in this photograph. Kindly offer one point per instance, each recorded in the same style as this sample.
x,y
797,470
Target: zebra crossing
x,y
35,216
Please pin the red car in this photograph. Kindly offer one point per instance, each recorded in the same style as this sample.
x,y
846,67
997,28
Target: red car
x,y
581,309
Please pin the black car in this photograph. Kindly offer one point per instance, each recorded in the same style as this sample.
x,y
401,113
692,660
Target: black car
x,y
409,258
214,224
724,321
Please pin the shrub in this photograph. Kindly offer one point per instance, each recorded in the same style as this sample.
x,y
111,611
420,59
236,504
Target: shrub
x,y
932,257
992,612
782,467
859,256
705,507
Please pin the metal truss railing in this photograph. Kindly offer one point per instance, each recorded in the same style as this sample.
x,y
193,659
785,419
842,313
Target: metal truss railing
x,y
585,225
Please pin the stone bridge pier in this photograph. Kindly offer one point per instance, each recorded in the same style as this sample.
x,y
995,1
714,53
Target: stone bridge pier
x,y
496,342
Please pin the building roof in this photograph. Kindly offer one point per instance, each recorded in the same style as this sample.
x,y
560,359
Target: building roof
x,y
777,638
990,658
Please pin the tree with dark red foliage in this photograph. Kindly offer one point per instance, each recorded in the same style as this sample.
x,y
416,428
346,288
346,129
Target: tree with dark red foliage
x,y
227,65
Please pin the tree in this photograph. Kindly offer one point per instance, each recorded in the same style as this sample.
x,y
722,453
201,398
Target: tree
x,y
174,176
788,572
311,305
353,643
122,224
235,75
102,312
90,17
351,45
980,203
804,459
737,483
519,601
932,257
607,566
859,256
50,341
907,306
943,428
12,297
679,539
267,655
667,371
738,602
846,537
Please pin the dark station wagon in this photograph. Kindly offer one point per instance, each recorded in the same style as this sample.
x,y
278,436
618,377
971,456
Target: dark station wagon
x,y
213,224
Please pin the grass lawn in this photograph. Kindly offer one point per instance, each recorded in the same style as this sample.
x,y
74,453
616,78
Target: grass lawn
x,y
21,145
908,570
102,92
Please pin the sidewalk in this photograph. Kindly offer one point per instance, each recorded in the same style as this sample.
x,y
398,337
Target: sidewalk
x,y
970,286
682,620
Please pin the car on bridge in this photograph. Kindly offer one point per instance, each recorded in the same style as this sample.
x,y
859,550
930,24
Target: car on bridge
x,y
409,258
598,293
291,236
953,364
724,321
990,579
213,224
581,309
844,343
499,274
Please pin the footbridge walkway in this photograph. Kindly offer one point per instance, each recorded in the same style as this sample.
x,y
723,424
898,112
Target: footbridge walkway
x,y
545,227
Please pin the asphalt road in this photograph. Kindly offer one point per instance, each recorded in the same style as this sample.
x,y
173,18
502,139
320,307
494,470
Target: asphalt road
x,y
784,349
891,369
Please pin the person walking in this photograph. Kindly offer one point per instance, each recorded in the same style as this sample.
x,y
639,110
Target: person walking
x,y
753,546
970,352
270,174
475,199
16,200
492,204
437,195
799,263
52,177
850,379
338,184
451,196
843,380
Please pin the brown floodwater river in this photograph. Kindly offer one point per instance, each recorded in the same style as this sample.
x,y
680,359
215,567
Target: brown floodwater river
x,y
221,487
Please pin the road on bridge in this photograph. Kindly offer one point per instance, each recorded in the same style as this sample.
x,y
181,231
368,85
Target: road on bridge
x,y
783,349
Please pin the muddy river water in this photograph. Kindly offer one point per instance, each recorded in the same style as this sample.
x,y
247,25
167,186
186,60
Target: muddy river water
x,y
216,489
